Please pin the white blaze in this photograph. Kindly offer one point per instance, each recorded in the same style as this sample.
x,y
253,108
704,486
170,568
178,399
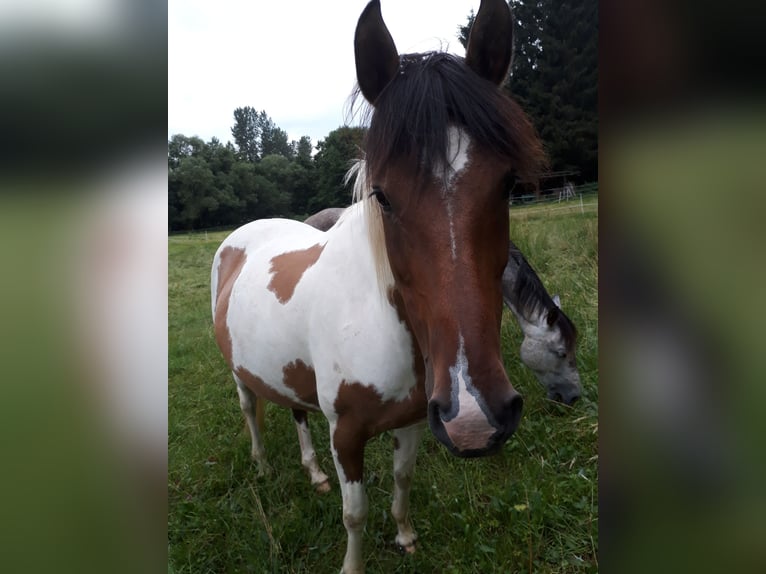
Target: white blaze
x,y
458,144
469,429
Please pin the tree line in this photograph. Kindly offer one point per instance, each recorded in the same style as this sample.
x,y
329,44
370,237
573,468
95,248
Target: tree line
x,y
261,174
554,77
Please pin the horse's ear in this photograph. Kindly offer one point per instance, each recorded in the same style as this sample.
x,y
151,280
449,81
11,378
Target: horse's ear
x,y
490,45
557,301
553,316
377,60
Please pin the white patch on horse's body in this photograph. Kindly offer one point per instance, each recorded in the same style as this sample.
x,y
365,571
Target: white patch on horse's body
x,y
469,427
332,338
458,145
355,508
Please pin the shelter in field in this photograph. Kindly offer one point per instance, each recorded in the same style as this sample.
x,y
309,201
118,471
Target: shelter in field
x,y
552,185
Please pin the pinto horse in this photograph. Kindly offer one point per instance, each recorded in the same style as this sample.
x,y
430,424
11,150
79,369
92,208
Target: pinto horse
x,y
550,337
391,317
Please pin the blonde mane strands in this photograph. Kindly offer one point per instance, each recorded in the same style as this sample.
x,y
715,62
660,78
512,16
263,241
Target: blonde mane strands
x,y
373,222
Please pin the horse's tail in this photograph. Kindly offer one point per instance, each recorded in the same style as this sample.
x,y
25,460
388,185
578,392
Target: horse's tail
x,y
260,413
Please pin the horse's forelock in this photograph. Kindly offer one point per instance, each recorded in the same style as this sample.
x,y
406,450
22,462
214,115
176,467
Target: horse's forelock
x,y
568,329
434,91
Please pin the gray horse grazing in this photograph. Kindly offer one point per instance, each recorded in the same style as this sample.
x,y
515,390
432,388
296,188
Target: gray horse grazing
x,y
550,337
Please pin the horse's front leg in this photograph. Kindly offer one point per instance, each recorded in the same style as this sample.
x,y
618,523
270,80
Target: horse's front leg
x,y
406,443
348,442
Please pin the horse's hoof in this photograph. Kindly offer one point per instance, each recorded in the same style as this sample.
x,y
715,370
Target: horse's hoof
x,y
323,487
406,548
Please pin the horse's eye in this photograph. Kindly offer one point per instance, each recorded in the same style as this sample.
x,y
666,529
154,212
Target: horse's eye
x,y
378,194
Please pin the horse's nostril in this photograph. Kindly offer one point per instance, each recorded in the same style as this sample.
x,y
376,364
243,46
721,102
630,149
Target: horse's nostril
x,y
512,412
573,399
564,397
437,409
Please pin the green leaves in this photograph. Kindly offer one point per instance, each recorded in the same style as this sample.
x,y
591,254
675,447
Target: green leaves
x,y
211,185
554,77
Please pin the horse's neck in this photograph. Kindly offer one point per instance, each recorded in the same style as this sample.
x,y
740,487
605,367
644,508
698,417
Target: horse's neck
x,y
518,272
348,240
349,226
530,322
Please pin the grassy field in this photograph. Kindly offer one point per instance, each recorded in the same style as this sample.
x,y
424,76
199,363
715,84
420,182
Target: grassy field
x,y
531,508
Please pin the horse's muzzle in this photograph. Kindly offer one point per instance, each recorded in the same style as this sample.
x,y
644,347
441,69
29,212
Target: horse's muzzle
x,y
476,433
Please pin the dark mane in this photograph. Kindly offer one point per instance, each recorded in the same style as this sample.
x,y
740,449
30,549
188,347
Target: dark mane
x,y
435,90
530,296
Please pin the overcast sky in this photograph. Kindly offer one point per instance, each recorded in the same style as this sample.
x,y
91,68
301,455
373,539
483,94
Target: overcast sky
x,y
294,59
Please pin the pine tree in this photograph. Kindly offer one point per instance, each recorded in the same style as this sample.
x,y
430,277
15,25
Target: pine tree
x,y
554,77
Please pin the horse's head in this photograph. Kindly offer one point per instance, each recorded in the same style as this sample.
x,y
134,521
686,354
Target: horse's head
x,y
441,149
548,349
550,337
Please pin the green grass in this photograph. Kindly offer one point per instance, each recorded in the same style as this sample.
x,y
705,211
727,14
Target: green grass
x,y
531,508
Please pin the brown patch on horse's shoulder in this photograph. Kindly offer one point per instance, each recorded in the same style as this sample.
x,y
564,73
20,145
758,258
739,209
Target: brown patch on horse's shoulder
x,y
300,377
362,414
363,404
288,268
230,263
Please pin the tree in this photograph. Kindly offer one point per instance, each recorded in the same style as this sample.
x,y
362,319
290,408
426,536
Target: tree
x,y
568,71
181,146
221,160
302,151
282,174
246,184
273,139
246,133
333,159
215,185
554,77
304,184
200,191
194,186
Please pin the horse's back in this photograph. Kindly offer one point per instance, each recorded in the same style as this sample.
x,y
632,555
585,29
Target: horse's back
x,y
255,240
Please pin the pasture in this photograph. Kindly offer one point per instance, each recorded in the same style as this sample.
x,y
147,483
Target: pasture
x,y
531,508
